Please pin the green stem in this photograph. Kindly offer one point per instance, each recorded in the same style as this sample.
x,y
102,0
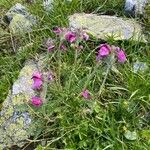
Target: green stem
x,y
91,75
104,80
74,66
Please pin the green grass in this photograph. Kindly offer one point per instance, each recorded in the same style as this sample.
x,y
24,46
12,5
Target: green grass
x,y
69,121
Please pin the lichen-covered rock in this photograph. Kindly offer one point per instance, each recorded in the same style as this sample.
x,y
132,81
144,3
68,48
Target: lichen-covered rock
x,y
15,116
139,67
135,7
20,9
19,19
104,26
20,24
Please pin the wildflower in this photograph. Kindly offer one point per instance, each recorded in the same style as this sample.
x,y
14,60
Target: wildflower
x,y
121,55
63,47
36,75
104,50
85,36
51,47
70,37
50,44
86,94
36,101
98,57
57,30
38,81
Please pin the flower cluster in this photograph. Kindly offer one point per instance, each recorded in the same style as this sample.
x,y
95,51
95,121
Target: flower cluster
x,y
38,81
105,50
36,101
75,39
37,78
66,35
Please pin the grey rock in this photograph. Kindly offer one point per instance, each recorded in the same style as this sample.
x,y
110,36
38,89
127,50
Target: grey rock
x,y
103,26
20,25
22,10
19,19
17,122
135,7
16,119
139,67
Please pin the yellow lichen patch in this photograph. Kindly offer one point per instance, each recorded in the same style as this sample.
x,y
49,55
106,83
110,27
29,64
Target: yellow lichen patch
x,y
20,122
20,99
1,147
2,120
27,71
21,134
9,112
11,129
30,82
19,24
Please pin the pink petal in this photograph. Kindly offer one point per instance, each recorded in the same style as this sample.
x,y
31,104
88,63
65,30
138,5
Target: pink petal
x,y
81,47
36,101
70,37
85,36
86,94
98,57
106,45
57,30
37,75
121,56
50,48
37,84
104,50
63,47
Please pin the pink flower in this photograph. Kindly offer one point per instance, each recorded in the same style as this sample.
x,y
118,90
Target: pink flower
x,y
36,101
98,57
80,47
37,84
63,47
36,75
104,50
51,48
121,55
85,36
58,30
70,37
86,94
37,80
50,44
